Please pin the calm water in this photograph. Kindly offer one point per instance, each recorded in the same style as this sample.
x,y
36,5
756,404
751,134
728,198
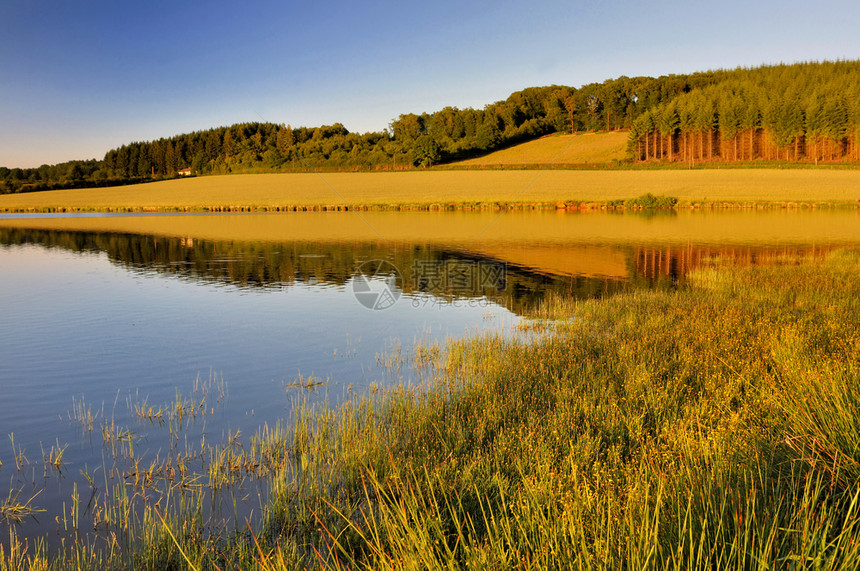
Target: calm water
x,y
115,313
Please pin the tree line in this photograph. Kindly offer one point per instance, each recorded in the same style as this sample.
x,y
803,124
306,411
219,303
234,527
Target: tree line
x,y
808,111
785,112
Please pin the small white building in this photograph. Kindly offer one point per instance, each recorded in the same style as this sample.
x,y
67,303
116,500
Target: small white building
x,y
184,172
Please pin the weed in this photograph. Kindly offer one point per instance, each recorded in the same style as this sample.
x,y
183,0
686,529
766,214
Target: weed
x,y
13,509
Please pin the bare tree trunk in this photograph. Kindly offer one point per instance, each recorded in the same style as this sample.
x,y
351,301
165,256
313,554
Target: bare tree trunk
x,y
685,153
710,145
752,144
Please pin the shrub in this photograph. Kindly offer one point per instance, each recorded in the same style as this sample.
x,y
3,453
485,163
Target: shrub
x,y
648,200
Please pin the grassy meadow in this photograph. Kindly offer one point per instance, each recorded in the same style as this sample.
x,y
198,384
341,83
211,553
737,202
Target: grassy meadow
x,y
443,189
713,427
594,148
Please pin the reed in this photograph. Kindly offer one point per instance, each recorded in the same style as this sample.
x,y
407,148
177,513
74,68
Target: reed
x,y
708,427
303,382
683,430
15,509
82,414
18,454
53,458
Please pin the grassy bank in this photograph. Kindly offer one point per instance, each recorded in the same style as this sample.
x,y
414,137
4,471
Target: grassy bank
x,y
713,427
452,189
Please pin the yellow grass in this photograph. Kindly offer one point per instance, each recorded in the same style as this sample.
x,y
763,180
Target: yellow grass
x,y
451,187
560,149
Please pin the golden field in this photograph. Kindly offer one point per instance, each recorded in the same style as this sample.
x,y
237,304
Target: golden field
x,y
426,188
560,149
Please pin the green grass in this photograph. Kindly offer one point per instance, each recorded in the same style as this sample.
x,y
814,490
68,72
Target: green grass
x,y
710,428
450,189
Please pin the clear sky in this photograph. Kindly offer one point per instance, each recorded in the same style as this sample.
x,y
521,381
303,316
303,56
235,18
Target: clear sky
x,y
82,77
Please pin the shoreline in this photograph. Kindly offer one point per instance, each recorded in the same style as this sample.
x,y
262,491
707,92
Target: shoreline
x,y
457,190
465,206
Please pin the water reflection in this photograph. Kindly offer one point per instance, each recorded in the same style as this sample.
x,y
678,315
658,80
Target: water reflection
x,y
121,313
515,276
446,272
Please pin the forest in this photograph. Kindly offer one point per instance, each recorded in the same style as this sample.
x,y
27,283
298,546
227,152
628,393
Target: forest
x,y
796,112
804,112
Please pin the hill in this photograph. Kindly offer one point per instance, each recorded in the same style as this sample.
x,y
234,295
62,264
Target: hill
x,y
798,112
560,149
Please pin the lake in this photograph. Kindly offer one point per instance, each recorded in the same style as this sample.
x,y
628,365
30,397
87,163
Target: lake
x,y
120,332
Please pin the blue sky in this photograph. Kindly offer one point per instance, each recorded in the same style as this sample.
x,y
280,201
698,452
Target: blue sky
x,y
80,78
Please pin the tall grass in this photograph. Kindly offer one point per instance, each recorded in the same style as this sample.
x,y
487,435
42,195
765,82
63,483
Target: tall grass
x,y
651,430
713,427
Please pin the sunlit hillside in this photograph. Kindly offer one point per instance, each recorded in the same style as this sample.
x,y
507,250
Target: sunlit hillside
x,y
560,149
